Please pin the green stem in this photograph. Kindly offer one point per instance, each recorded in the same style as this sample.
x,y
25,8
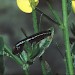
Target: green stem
x,y
15,58
67,73
36,30
34,17
43,66
26,70
66,37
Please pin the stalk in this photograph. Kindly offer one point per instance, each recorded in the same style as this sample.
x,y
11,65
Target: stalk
x,y
26,69
34,17
16,59
36,30
26,72
43,66
66,38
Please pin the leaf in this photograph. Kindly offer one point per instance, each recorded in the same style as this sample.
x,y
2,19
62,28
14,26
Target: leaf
x,y
46,69
23,56
40,48
27,48
54,13
69,6
45,15
1,45
73,49
37,49
74,60
30,52
1,65
73,29
14,57
72,40
45,43
1,56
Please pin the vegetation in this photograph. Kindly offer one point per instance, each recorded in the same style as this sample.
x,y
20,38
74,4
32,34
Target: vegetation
x,y
32,51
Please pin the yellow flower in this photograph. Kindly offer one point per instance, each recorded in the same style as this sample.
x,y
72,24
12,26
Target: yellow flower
x,y
27,5
73,5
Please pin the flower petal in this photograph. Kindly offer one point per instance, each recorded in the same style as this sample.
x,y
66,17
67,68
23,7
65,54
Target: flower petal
x,y
73,6
25,5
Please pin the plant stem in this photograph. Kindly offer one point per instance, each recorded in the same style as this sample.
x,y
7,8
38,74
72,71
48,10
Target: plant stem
x,y
36,30
43,66
15,58
7,50
66,38
34,17
26,70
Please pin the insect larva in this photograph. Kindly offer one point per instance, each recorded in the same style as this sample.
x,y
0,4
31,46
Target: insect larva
x,y
33,38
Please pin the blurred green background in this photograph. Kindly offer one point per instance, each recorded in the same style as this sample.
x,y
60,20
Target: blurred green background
x,y
12,19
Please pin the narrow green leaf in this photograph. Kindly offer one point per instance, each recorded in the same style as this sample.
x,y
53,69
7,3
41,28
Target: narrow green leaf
x,y
40,48
73,49
45,15
73,29
14,57
45,43
1,56
1,45
35,51
24,56
43,67
54,13
73,60
31,51
46,69
69,6
27,48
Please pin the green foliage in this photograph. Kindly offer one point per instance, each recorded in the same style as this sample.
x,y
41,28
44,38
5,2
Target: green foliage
x,y
1,45
73,29
66,37
1,56
73,49
54,13
8,53
69,7
36,50
32,51
46,70
34,17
